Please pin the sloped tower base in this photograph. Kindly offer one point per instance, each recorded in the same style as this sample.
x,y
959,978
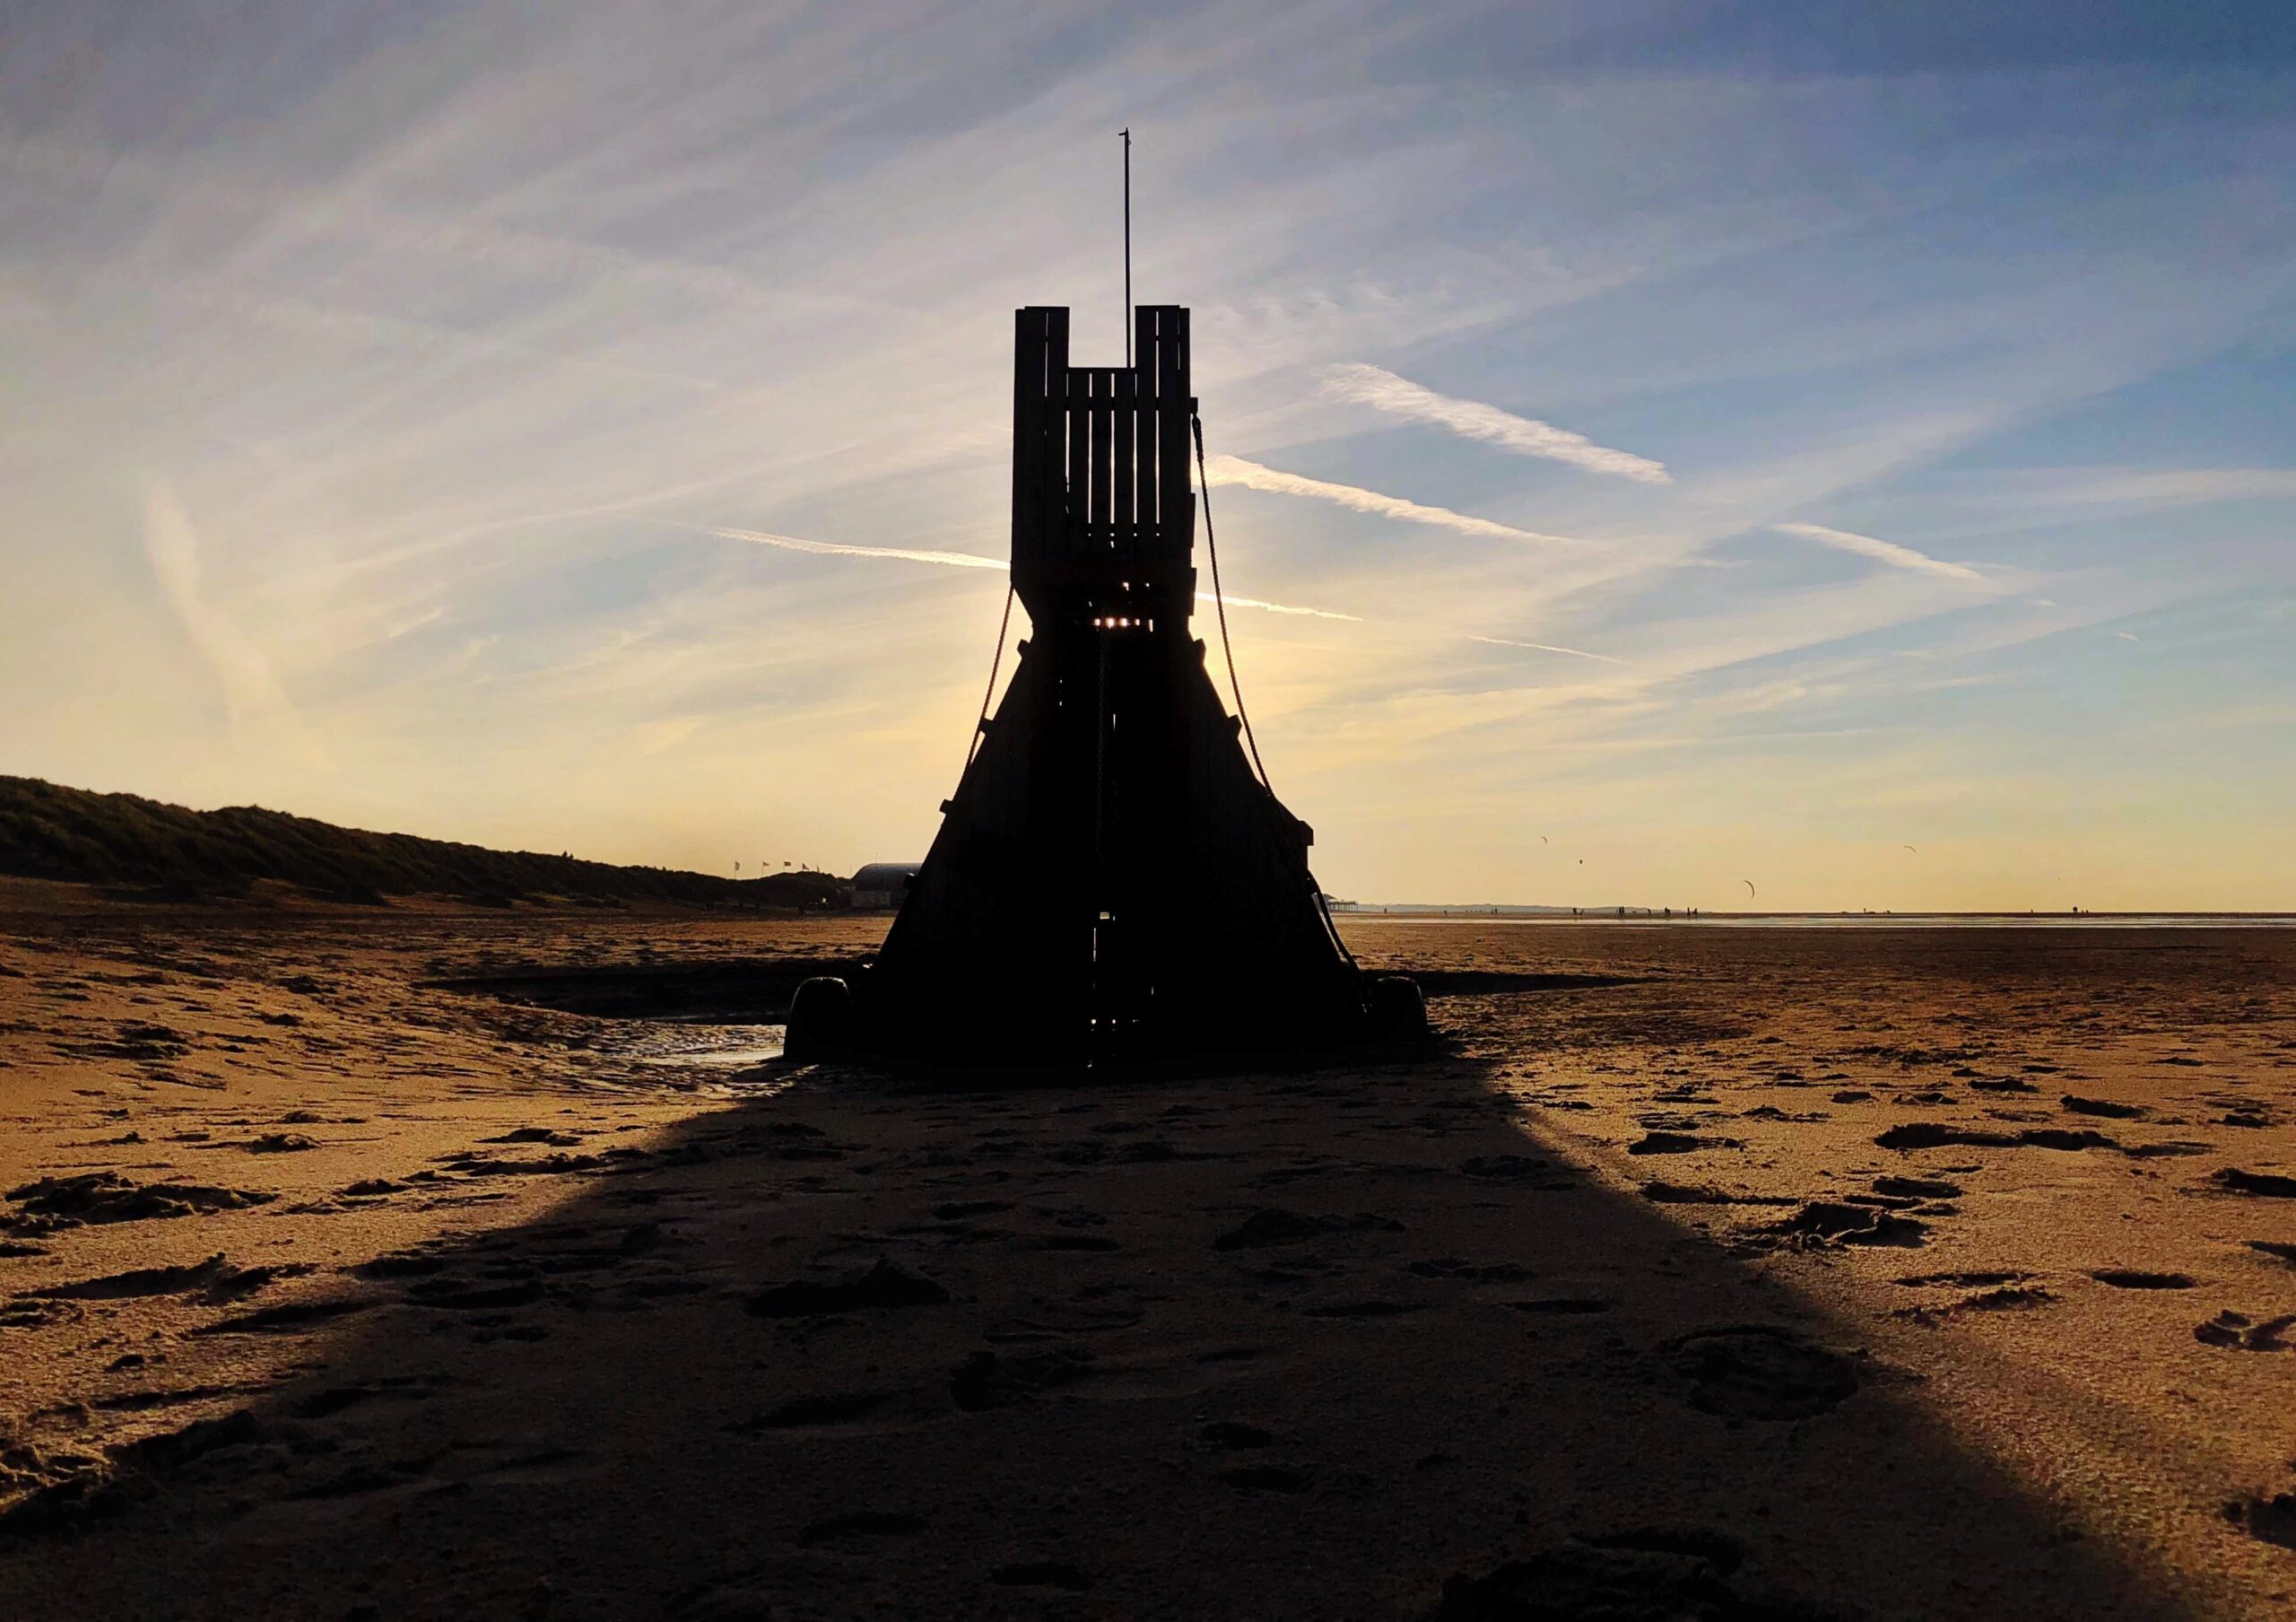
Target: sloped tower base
x,y
1110,880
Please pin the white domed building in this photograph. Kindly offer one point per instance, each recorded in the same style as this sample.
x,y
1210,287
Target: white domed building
x,y
881,886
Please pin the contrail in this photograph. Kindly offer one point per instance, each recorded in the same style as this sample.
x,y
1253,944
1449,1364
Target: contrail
x,y
955,560
1251,475
1382,390
1502,641
1253,602
974,560
1887,552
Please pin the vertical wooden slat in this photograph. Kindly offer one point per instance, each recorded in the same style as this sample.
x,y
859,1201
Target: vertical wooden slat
x,y
1078,384
1172,451
1030,332
1052,492
1080,434
1127,533
1184,543
1103,444
1143,433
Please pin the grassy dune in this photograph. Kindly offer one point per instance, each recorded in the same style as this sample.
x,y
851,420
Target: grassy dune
x,y
50,832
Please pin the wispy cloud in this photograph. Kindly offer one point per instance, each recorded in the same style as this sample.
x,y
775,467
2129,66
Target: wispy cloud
x,y
1252,475
974,560
438,326
908,555
1505,641
1252,602
1886,551
252,695
1383,390
2159,487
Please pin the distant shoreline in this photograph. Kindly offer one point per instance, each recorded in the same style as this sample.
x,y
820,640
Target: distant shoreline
x,y
1611,915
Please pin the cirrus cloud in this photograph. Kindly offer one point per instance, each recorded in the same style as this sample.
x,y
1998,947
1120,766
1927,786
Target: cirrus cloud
x,y
1383,390
1881,550
970,560
1274,481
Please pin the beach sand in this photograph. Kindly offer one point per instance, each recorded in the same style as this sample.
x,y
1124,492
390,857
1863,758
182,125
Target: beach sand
x,y
1713,1272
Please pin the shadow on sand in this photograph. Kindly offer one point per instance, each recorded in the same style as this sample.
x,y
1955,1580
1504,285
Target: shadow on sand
x,y
1338,1345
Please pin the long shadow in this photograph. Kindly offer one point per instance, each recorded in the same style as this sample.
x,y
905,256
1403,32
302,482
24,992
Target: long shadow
x,y
1334,1344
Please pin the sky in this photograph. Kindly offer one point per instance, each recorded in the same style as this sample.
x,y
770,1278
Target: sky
x,y
1669,447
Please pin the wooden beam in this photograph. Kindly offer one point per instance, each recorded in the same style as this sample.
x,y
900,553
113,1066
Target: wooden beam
x,y
1144,428
1122,439
1103,446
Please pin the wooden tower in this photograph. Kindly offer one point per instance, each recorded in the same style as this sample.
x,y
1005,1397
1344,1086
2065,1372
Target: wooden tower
x,y
1110,879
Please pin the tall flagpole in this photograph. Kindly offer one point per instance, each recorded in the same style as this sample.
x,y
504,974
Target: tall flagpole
x,y
1126,133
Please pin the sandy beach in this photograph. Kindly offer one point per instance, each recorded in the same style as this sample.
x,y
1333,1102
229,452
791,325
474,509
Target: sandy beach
x,y
389,1262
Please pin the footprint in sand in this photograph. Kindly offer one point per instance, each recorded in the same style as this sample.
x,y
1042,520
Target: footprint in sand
x,y
1677,1143
987,1380
960,1210
1231,1436
25,1314
463,1296
286,1318
1041,1574
1267,1479
1489,1272
1560,1306
1760,1371
104,1196
2272,1519
397,1388
1522,1171
139,1471
812,1413
1936,1134
1646,1572
2255,1185
145,1402
1659,1191
2104,1107
399,1264
2237,1332
1273,1226
884,1285
861,1524
215,1278
1972,1280
1823,1224
2004,1291
1917,1187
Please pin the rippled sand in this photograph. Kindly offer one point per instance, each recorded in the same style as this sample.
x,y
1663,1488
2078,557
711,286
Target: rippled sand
x,y
1715,1272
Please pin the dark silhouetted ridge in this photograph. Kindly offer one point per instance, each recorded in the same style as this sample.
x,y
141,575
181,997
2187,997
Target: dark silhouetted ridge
x,y
79,836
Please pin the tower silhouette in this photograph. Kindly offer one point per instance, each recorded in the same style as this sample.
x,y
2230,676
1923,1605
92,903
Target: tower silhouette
x,y
1111,879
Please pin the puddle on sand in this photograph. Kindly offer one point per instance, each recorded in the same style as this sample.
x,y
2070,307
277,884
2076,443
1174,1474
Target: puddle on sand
x,y
704,1047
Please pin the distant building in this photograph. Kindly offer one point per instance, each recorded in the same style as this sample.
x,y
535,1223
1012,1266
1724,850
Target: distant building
x,y
883,886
